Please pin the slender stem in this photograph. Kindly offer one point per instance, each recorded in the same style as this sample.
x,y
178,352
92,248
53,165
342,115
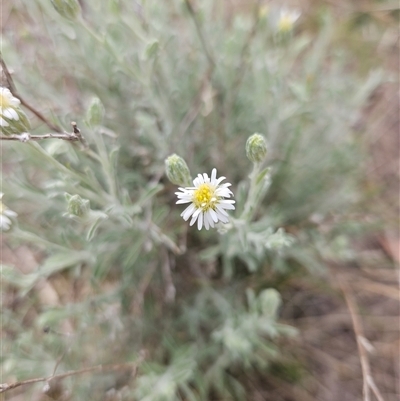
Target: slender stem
x,y
200,33
251,197
107,167
170,289
100,196
243,63
27,236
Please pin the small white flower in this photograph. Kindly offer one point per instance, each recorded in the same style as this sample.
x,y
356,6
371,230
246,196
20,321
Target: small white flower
x,y
8,104
207,200
287,19
5,214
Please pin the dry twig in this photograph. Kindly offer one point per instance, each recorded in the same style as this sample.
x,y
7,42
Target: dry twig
x,y
368,381
99,368
25,137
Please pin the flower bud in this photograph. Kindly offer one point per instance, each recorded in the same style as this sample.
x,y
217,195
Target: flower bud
x,y
177,170
77,206
12,118
256,148
279,240
269,301
5,214
95,113
69,9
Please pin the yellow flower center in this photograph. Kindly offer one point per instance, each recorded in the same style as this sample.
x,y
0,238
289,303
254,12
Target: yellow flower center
x,y
203,197
2,207
285,23
4,101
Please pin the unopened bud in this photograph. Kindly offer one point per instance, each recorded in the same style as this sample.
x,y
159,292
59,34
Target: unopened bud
x,y
12,118
95,113
15,126
69,9
269,301
177,170
77,206
256,148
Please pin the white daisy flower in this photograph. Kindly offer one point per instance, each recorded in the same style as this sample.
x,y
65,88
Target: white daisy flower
x,y
287,19
207,200
5,214
8,104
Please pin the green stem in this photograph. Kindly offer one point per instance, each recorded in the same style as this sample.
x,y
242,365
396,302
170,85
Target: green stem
x,y
27,236
107,167
99,196
251,197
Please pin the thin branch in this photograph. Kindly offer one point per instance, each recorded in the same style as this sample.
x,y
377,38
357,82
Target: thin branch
x,y
241,70
14,91
170,289
137,306
368,381
195,107
25,137
99,368
200,33
6,72
38,114
66,136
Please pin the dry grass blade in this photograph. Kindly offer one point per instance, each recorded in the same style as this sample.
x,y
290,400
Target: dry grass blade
x,y
368,381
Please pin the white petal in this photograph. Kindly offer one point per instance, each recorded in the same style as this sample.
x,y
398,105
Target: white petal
x,y
3,123
223,219
5,222
200,221
219,180
195,215
223,192
206,223
194,218
210,220
225,205
11,114
183,201
220,210
213,176
10,213
213,215
197,212
188,212
15,102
